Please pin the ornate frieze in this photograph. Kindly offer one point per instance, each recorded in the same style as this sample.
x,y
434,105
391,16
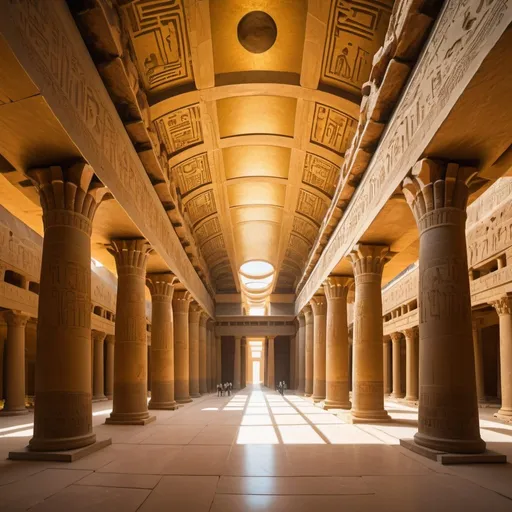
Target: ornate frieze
x,y
201,206
320,173
193,173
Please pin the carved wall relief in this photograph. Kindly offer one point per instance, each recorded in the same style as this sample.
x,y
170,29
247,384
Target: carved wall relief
x,y
193,173
207,229
201,206
311,206
320,173
305,228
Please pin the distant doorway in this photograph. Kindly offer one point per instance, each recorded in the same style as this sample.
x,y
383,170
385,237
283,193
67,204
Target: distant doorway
x,y
255,372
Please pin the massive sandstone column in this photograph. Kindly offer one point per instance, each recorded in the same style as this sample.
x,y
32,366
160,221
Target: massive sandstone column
x,y
411,363
336,291
479,363
109,366
237,363
130,353
301,349
63,410
309,336
504,309
180,308
203,388
218,358
271,364
396,338
243,360
319,307
293,353
264,360
448,411
15,364
212,364
193,336
368,393
386,365
98,383
161,287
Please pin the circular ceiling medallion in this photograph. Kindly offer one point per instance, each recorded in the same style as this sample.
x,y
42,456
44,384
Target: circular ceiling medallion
x,y
257,32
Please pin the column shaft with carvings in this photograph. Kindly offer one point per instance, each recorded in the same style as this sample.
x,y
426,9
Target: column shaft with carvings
x,y
14,364
193,333
109,366
309,353
237,363
504,309
161,287
301,349
396,338
63,410
319,307
386,346
479,363
98,383
180,308
203,388
411,364
368,393
336,291
130,405
448,411
271,384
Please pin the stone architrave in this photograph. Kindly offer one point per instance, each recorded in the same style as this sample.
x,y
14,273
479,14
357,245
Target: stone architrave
x,y
337,393
63,410
368,379
309,353
448,410
130,405
411,364
319,307
180,307
503,307
161,287
479,363
15,364
396,338
98,382
203,387
237,363
386,365
271,384
193,331
109,366
301,350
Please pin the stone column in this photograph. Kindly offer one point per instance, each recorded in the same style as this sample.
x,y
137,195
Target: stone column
x,y
412,362
264,361
203,388
448,410
63,410
368,393
243,365
213,354
336,292
386,365
319,307
396,338
479,363
180,308
271,365
504,309
308,319
15,364
293,353
193,336
130,405
301,349
98,383
161,287
218,349
237,363
208,358
109,366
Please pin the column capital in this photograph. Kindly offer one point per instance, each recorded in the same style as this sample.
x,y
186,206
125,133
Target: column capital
x,y
203,319
98,336
411,333
437,192
308,314
503,305
181,301
110,338
271,338
68,195
161,286
194,313
337,287
210,324
131,255
302,319
368,259
15,318
319,305
396,336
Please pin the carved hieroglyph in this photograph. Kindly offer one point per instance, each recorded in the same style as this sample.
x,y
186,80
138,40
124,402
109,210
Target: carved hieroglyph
x,y
320,173
193,173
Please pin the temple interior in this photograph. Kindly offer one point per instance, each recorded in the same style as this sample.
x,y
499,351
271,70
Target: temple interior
x,y
255,255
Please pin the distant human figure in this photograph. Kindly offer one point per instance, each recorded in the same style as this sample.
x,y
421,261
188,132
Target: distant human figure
x,y
285,387
219,389
230,388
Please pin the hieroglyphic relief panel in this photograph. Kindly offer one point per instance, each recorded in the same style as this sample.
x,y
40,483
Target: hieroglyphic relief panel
x,y
201,206
332,129
193,173
402,291
305,228
311,206
320,173
356,31
180,128
159,37
299,245
207,229
214,248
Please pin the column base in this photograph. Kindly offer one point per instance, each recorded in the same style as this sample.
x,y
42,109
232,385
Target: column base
x,y
473,446
332,404
185,400
195,395
167,406
446,458
63,444
504,414
411,398
14,412
318,399
109,397
129,419
396,395
59,456
99,398
368,417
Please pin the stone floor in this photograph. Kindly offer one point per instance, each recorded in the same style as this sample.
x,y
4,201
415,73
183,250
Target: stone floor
x,y
251,452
